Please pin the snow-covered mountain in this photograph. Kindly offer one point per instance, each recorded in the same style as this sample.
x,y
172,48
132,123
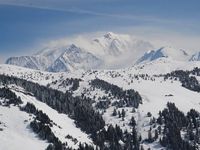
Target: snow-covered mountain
x,y
164,52
75,58
112,50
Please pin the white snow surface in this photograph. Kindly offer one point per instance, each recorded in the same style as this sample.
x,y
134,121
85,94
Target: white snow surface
x,y
154,91
62,120
16,130
16,134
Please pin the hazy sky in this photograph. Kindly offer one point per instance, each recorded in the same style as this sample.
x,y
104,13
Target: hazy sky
x,y
26,24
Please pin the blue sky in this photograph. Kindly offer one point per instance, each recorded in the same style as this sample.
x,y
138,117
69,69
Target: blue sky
x,y
25,24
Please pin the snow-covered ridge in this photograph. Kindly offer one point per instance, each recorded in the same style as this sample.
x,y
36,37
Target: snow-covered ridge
x,y
167,52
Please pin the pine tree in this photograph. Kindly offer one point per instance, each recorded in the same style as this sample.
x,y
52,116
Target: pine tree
x,y
114,112
150,139
156,135
119,114
141,148
149,114
133,122
123,113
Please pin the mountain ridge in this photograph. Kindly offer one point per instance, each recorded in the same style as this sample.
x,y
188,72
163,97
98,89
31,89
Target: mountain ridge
x,y
112,49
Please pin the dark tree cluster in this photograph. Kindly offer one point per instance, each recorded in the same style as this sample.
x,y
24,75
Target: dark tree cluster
x,y
87,119
42,117
128,98
78,108
9,97
142,76
73,82
72,138
195,71
103,104
174,121
85,147
188,81
109,139
45,133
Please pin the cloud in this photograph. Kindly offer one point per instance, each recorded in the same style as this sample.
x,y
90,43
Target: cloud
x,y
167,37
159,37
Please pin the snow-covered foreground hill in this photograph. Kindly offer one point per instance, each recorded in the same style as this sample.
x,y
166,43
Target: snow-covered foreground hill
x,y
16,128
156,91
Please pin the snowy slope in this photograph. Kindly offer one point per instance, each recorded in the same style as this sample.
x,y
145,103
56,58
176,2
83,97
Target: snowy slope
x,y
15,125
16,133
154,90
65,125
123,79
163,65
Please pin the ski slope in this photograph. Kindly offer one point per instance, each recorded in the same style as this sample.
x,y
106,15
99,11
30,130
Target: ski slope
x,y
16,133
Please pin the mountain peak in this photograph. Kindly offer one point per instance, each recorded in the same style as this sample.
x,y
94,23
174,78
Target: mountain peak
x,y
110,35
73,48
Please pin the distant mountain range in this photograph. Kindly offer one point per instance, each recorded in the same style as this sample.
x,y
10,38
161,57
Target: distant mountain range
x,y
110,51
